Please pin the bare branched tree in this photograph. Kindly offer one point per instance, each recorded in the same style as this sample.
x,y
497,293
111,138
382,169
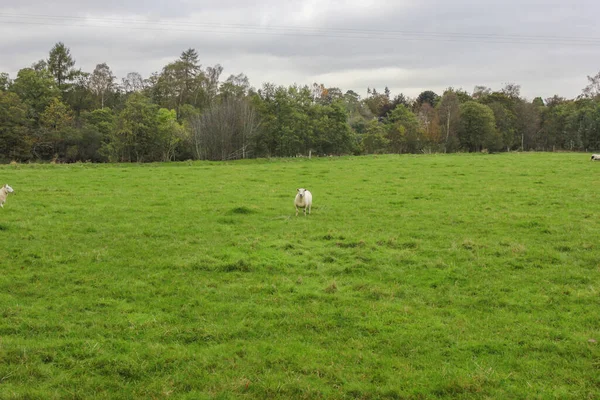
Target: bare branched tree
x,y
211,83
102,82
225,130
592,90
133,83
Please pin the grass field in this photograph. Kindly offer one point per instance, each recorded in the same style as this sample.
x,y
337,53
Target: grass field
x,y
458,276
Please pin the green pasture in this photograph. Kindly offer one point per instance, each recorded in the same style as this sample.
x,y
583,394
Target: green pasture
x,y
415,277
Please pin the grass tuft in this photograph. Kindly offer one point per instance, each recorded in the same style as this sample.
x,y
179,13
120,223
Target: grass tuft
x,y
241,210
332,288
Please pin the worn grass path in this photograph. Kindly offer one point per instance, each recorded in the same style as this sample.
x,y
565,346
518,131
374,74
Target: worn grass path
x,y
458,276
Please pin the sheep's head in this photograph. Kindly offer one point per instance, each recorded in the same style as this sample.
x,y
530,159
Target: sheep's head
x,y
8,188
301,192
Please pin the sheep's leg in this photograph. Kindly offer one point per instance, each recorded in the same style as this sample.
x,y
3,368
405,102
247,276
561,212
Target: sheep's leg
x,y
296,211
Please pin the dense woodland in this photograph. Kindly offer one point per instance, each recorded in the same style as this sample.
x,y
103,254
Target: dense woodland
x,y
53,111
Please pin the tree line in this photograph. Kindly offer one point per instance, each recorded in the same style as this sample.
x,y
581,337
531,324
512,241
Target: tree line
x,y
53,111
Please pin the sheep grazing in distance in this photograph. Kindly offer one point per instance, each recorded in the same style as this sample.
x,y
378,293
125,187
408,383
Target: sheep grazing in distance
x,y
4,191
595,157
303,200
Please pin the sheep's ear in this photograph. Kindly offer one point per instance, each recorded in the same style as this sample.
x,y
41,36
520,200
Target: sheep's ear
x,y
297,190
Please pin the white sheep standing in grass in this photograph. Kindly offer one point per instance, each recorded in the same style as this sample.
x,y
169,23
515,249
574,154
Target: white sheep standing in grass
x,y
4,191
303,200
595,157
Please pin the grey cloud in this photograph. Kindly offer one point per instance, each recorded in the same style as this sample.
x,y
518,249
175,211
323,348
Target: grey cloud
x,y
222,33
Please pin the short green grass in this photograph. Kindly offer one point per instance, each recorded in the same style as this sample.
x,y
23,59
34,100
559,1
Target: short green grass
x,y
415,277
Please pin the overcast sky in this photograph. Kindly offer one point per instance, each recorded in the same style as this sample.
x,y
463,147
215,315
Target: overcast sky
x,y
547,47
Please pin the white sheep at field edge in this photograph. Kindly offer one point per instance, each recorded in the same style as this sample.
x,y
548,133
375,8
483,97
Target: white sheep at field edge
x,y
4,191
303,200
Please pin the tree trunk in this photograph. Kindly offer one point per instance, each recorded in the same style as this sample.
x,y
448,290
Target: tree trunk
x,y
522,141
447,130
